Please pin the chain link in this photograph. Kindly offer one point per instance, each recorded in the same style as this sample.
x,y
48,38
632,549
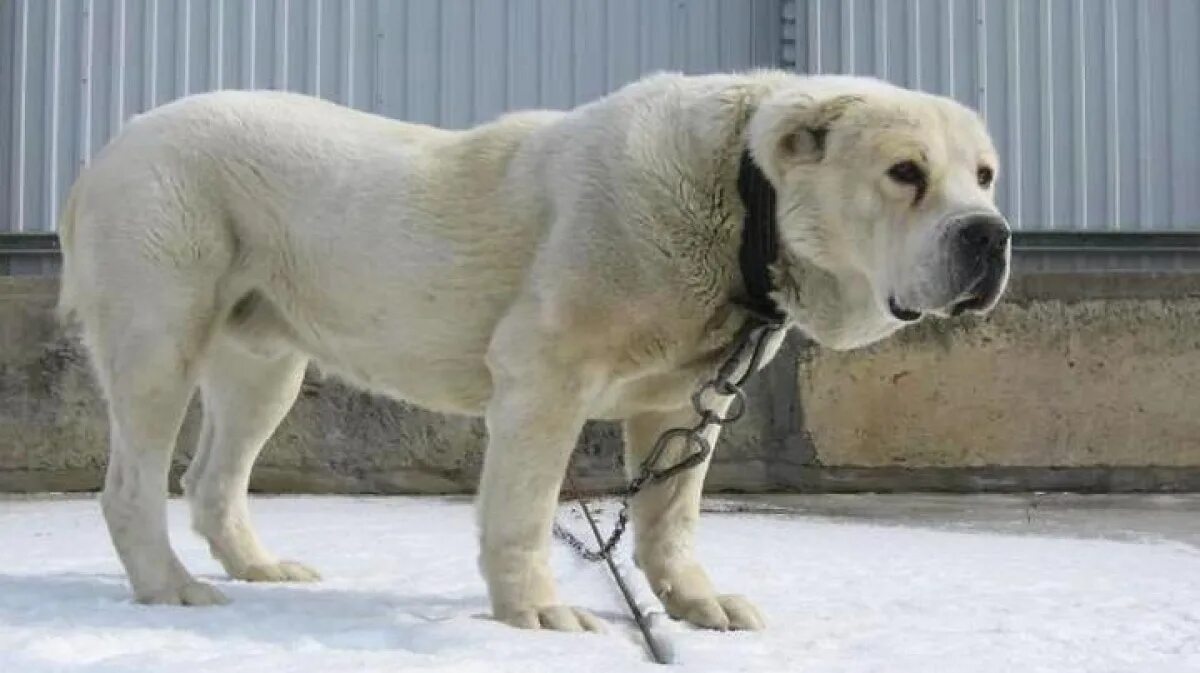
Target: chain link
x,y
754,337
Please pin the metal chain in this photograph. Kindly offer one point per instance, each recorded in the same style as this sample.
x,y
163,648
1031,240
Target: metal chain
x,y
754,337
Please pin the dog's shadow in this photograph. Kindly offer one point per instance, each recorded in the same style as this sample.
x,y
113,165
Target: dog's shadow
x,y
280,614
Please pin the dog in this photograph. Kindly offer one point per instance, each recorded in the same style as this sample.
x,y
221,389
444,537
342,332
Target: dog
x,y
540,270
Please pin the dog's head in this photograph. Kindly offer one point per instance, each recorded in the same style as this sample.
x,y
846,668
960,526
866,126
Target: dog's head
x,y
888,185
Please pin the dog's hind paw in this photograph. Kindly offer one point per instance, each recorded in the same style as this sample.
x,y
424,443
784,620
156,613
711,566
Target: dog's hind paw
x,y
190,593
283,571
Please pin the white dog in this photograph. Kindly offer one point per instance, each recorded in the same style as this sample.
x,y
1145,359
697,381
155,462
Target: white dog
x,y
540,270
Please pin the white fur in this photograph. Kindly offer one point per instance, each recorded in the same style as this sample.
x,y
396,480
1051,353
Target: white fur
x,y
541,270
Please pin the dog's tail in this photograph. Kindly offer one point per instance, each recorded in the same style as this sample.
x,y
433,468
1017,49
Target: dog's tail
x,y
66,239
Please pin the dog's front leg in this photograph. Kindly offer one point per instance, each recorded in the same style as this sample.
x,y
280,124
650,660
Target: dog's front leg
x,y
533,419
665,517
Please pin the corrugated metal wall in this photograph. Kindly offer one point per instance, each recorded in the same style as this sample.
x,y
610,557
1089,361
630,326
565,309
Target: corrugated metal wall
x,y
71,71
1094,104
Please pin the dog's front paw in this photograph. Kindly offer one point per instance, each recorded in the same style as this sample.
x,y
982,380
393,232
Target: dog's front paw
x,y
552,617
723,613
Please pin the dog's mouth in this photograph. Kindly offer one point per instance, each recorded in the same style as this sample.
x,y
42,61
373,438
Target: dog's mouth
x,y
974,302
902,314
982,294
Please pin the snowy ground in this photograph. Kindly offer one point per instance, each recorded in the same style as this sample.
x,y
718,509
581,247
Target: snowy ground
x,y
843,591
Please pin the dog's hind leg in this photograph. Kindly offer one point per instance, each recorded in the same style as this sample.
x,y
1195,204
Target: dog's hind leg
x,y
145,354
245,396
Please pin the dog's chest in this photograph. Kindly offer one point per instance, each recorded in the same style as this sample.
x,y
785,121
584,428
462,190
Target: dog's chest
x,y
661,371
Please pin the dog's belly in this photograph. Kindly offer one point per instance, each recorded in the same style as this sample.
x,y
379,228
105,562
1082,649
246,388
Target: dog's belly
x,y
404,340
432,358
447,386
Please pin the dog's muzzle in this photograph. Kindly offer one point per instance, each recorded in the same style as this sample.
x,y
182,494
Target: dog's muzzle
x,y
981,243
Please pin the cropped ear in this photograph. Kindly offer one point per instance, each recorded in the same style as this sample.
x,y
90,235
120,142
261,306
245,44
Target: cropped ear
x,y
790,132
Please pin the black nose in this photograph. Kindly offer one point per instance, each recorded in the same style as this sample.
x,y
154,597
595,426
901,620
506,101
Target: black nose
x,y
982,234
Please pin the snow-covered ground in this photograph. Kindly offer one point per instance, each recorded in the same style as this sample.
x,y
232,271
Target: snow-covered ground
x,y
401,593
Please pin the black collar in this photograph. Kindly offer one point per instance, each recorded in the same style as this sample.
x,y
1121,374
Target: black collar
x,y
760,241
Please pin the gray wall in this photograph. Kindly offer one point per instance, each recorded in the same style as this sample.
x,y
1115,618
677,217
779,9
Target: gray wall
x,y
71,71
1094,104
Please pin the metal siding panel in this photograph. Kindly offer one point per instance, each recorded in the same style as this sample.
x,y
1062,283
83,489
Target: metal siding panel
x,y
423,63
266,28
846,38
1126,115
934,20
1062,67
69,74
1144,107
1013,111
967,84
321,33
1046,113
363,44
915,45
699,54
524,47
198,62
1184,128
336,16
183,50
733,34
1029,117
35,115
132,50
899,53
52,157
1094,137
391,60
792,27
1091,102
588,60
457,63
830,24
8,94
767,35
1159,114
654,35
1112,120
677,34
624,46
489,28
863,44
245,15
557,39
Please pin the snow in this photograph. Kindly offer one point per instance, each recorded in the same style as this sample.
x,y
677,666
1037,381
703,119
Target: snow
x,y
402,593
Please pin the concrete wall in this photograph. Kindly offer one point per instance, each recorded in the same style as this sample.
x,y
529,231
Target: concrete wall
x,y
1076,382
1070,372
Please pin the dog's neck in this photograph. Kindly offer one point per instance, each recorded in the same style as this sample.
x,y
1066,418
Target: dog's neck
x,y
837,310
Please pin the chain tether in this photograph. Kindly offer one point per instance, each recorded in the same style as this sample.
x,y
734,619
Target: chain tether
x,y
753,339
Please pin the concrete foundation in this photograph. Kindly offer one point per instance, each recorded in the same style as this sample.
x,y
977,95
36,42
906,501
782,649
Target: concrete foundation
x,y
1075,382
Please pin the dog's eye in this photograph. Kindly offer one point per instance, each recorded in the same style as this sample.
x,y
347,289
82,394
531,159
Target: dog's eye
x,y
907,173
984,175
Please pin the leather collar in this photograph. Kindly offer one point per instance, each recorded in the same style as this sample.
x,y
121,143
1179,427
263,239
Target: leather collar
x,y
760,242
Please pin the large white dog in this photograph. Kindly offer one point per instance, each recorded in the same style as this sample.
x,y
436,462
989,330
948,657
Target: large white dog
x,y
540,270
